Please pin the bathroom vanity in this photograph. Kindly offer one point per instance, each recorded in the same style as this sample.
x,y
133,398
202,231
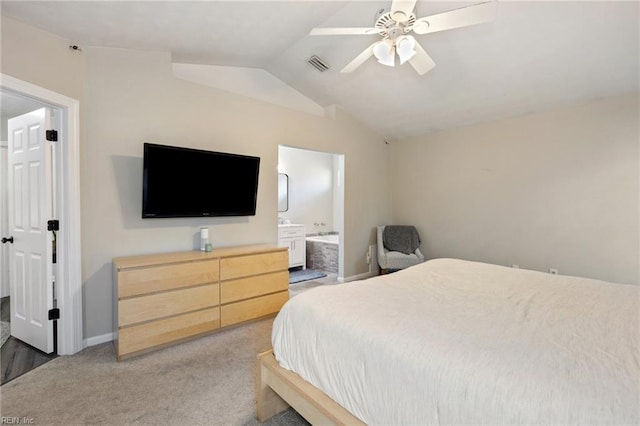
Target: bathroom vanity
x,y
293,237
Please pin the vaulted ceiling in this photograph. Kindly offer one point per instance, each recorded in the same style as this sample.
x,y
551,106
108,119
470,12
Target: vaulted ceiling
x,y
534,56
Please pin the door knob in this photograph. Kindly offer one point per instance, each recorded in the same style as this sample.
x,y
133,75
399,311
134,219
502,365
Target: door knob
x,y
7,240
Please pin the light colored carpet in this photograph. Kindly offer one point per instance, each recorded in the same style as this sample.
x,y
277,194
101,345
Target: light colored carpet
x,y
5,332
208,381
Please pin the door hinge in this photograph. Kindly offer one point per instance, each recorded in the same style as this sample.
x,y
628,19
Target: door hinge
x,y
52,135
54,314
53,225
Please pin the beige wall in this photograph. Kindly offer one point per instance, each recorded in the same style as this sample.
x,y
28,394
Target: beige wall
x,y
38,57
131,97
558,189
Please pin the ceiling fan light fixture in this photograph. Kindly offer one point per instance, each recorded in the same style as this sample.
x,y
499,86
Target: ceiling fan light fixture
x,y
405,47
400,16
385,53
395,25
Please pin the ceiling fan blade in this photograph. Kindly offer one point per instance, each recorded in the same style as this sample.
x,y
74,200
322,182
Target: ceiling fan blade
x,y
360,59
401,10
465,16
421,61
344,31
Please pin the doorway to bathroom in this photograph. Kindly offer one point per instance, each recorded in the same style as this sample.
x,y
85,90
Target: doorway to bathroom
x,y
311,214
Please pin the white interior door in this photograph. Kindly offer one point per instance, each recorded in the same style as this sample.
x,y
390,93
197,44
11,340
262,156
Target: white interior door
x,y
30,207
4,223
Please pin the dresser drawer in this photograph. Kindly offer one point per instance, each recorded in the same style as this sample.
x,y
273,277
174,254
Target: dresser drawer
x,y
245,288
133,282
151,334
252,308
155,306
245,266
291,231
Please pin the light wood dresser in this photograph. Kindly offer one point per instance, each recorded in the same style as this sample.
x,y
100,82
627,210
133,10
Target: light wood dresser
x,y
166,298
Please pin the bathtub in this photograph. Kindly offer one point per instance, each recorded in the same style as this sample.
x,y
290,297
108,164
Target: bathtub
x,y
330,239
322,253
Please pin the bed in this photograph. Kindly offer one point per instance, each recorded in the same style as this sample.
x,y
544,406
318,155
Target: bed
x,y
452,342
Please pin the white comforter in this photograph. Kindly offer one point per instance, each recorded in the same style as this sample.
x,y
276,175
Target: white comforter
x,y
452,342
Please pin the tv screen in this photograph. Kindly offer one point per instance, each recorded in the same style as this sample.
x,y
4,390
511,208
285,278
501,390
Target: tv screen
x,y
184,182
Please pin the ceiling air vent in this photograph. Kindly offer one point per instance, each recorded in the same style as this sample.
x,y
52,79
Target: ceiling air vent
x,y
317,63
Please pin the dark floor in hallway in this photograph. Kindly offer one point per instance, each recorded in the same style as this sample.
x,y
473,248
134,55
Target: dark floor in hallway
x,y
16,357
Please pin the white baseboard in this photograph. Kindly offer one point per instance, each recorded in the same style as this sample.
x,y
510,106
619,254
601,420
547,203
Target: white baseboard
x,y
96,340
357,277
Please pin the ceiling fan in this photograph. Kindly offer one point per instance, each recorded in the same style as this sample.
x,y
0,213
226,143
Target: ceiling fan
x,y
395,25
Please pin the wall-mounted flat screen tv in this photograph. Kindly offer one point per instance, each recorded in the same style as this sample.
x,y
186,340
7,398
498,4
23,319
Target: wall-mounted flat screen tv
x,y
185,182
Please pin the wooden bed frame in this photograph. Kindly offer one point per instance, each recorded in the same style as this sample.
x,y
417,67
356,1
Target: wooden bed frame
x,y
278,389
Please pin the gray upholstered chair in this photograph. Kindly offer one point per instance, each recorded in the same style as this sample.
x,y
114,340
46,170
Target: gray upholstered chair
x,y
393,260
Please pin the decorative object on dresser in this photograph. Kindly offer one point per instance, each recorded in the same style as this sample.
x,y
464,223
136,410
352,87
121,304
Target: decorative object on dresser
x,y
163,299
293,237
